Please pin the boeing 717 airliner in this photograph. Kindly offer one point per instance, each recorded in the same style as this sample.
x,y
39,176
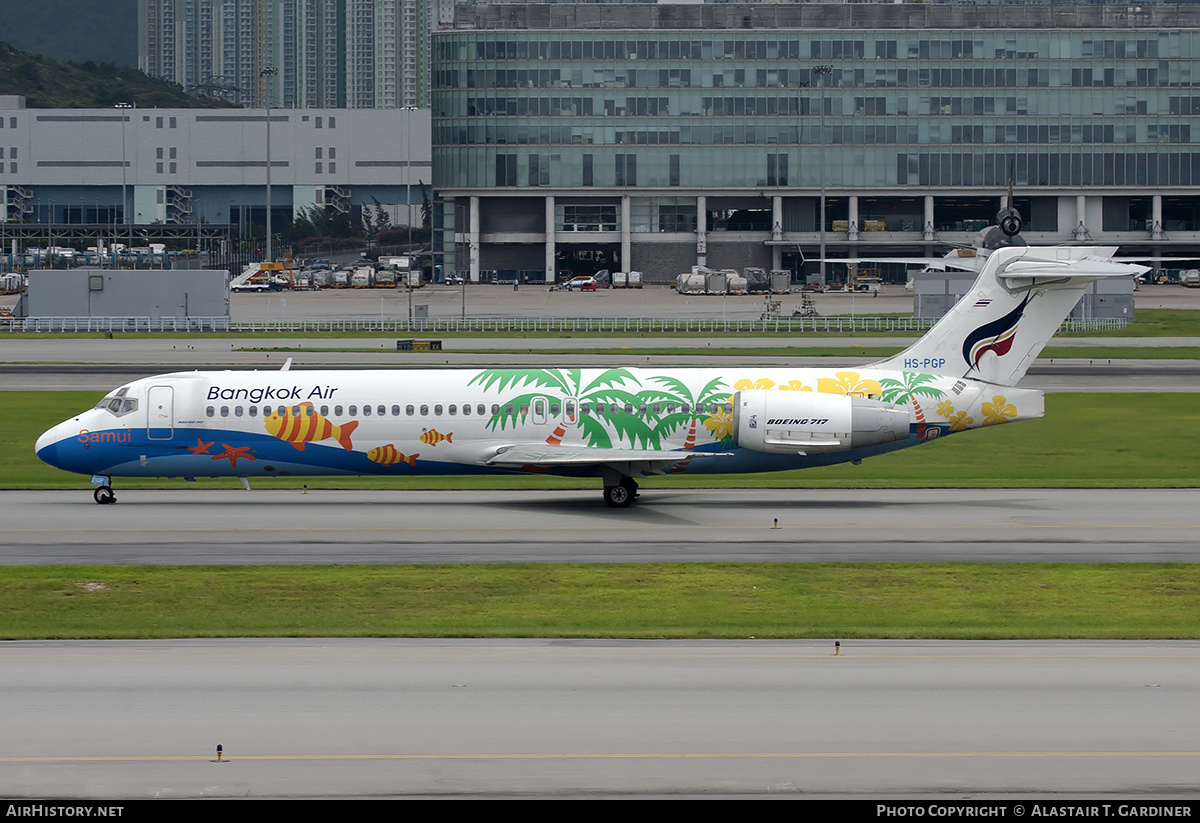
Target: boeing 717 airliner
x,y
618,424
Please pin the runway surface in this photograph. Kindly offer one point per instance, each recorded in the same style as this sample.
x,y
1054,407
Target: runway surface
x,y
362,718
238,527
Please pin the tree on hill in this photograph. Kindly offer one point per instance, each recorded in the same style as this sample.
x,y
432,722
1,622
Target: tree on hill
x,y
50,84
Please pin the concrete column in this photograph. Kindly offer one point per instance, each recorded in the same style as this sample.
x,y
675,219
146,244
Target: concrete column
x,y
1156,227
551,275
855,228
626,239
927,230
777,231
701,230
473,239
1081,232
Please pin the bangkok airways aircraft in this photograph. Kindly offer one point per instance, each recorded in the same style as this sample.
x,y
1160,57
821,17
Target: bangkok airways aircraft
x,y
618,424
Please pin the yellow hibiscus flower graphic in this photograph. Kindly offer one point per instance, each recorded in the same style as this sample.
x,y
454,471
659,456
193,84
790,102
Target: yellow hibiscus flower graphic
x,y
720,424
794,385
849,382
998,411
760,383
945,409
960,421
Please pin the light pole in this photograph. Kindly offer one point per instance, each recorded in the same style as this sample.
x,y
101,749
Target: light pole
x,y
267,74
124,163
822,72
408,125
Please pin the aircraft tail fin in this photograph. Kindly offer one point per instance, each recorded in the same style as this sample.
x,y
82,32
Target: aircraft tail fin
x,y
998,328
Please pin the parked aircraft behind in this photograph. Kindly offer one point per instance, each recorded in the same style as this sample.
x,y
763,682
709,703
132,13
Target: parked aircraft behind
x,y
618,424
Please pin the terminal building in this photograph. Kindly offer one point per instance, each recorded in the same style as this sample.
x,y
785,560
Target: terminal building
x,y
656,137
86,173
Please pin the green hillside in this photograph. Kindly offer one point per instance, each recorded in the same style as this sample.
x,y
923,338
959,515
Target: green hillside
x,y
52,84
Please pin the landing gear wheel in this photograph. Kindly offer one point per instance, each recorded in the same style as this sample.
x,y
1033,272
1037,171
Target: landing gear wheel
x,y
621,496
104,495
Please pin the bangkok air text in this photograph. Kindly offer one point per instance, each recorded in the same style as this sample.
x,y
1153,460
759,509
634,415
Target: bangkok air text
x,y
282,393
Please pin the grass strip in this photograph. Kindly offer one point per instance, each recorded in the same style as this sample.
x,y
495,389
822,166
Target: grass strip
x,y
1147,323
702,600
1084,441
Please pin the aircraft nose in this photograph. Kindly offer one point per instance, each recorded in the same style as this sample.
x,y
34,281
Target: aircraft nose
x,y
46,447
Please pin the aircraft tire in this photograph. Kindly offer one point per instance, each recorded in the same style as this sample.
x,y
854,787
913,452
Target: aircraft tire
x,y
104,495
621,496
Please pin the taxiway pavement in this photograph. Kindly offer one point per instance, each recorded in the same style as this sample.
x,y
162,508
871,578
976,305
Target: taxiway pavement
x,y
394,718
666,525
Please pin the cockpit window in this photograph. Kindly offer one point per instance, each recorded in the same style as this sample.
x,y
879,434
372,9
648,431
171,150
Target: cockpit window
x,y
118,404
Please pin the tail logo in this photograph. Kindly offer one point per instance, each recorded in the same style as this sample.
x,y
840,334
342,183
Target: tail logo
x,y
996,336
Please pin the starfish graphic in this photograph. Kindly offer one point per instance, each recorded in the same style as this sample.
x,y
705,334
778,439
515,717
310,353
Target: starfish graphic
x,y
233,453
200,448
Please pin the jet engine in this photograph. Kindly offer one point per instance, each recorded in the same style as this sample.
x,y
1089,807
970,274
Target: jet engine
x,y
787,422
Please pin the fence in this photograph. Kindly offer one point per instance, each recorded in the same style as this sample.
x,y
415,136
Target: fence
x,y
620,325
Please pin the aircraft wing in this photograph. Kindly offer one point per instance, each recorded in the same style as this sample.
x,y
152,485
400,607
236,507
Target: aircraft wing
x,y
965,263
558,456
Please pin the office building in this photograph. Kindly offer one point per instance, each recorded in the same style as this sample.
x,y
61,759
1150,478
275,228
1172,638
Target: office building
x,y
569,138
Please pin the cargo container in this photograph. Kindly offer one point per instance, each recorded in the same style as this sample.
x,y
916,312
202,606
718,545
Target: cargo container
x,y
691,282
715,282
781,281
756,280
634,280
619,279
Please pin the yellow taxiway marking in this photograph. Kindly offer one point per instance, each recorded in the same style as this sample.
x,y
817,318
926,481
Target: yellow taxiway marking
x,y
585,756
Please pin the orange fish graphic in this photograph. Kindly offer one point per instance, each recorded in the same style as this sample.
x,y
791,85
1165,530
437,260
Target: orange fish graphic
x,y
388,455
307,427
433,437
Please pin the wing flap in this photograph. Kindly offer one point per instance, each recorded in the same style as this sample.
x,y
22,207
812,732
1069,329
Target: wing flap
x,y
558,456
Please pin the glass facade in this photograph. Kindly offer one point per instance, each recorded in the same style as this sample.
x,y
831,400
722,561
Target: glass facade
x,y
663,104
1072,107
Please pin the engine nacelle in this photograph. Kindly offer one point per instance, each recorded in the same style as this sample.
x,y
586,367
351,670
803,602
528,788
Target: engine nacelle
x,y
787,422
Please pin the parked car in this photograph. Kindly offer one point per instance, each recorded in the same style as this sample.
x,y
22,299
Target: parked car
x,y
583,283
454,280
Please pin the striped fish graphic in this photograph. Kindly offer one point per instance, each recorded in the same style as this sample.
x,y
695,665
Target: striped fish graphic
x,y
389,455
307,427
433,437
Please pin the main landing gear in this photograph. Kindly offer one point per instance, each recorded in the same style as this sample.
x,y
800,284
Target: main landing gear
x,y
621,495
104,495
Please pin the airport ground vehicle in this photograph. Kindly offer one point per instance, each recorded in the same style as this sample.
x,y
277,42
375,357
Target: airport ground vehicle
x,y
583,283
